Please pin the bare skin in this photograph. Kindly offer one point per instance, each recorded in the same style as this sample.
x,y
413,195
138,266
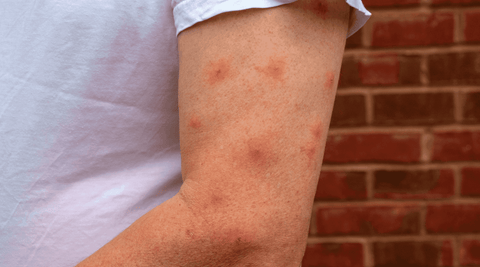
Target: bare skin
x,y
256,93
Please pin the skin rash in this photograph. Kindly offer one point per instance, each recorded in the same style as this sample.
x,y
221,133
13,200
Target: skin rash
x,y
254,139
312,147
195,122
218,71
257,152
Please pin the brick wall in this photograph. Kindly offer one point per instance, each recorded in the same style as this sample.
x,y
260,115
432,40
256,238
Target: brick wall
x,y
400,182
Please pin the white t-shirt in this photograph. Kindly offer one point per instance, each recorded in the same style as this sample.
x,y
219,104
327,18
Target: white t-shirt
x,y
89,135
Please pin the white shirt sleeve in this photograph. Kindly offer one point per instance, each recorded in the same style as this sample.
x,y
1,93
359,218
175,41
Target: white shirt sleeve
x,y
188,12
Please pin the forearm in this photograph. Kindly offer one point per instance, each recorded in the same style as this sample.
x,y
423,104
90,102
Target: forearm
x,y
170,235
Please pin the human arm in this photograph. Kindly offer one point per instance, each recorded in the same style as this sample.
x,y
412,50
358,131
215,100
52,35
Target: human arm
x,y
256,95
256,92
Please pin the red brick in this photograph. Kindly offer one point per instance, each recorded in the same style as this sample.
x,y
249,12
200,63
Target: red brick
x,y
453,218
471,182
382,69
379,70
470,252
368,220
389,3
472,26
471,107
372,147
460,68
333,255
415,29
456,146
447,254
349,110
341,186
430,184
454,2
413,109
413,254
409,70
389,69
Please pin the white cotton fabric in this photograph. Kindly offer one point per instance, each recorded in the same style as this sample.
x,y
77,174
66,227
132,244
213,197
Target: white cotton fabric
x,y
189,12
361,16
89,136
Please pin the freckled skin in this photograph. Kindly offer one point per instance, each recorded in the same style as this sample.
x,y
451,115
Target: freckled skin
x,y
319,8
238,242
190,234
329,80
316,131
311,148
229,245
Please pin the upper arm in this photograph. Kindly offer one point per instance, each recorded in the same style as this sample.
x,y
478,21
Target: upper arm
x,y
256,93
